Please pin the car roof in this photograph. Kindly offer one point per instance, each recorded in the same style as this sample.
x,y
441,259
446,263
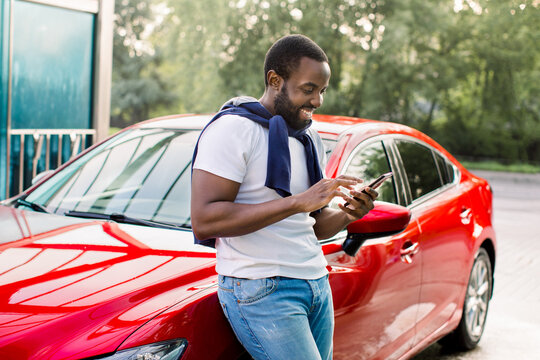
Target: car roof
x,y
331,127
328,124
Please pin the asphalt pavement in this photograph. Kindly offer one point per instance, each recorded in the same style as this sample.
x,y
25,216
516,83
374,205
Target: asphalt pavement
x,y
513,323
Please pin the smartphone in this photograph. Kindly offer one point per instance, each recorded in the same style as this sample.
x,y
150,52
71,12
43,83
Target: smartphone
x,y
376,183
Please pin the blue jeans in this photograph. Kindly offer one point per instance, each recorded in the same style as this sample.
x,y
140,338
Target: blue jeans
x,y
279,317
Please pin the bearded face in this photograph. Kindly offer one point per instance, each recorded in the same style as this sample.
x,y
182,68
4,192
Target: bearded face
x,y
297,116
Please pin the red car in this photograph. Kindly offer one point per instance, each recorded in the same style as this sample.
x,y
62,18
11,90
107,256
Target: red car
x,y
97,259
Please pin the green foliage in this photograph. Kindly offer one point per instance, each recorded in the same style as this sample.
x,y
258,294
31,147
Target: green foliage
x,y
193,33
137,85
496,104
464,72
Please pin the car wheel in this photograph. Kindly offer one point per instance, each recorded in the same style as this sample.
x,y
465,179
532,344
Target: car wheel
x,y
475,308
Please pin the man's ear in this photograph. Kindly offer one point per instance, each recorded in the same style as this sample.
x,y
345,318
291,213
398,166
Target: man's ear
x,y
274,80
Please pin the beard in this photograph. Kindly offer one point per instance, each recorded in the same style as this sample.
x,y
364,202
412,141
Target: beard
x,y
283,106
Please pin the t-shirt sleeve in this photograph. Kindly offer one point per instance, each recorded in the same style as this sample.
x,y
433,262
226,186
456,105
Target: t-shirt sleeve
x,y
224,148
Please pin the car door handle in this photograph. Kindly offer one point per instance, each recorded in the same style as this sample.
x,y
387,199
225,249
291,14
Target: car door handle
x,y
465,215
408,251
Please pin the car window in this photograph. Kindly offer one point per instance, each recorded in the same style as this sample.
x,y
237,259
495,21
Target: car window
x,y
142,173
370,162
329,146
445,169
420,166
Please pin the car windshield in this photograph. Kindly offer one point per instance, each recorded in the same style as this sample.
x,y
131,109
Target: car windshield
x,y
140,173
329,145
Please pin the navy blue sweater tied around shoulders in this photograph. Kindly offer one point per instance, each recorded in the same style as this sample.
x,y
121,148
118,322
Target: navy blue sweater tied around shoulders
x,y
278,171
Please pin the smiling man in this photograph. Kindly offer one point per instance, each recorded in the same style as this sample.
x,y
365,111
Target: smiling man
x,y
259,197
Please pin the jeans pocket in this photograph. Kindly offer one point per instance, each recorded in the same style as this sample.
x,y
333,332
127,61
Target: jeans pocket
x,y
225,283
248,291
224,308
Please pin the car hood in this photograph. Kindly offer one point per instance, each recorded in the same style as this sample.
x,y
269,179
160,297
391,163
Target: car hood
x,y
67,281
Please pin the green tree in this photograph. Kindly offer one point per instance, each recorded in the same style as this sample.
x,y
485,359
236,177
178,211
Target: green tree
x,y
462,71
496,104
137,86
346,30
192,38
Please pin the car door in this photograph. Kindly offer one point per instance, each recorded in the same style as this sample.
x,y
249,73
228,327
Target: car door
x,y
442,212
375,292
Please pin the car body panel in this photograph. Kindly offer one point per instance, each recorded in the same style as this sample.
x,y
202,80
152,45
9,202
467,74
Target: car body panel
x,y
94,282
445,248
375,298
199,319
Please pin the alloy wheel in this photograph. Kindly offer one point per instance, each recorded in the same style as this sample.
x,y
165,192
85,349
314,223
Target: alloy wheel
x,y
478,294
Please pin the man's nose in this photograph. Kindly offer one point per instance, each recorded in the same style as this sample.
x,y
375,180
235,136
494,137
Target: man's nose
x,y
317,100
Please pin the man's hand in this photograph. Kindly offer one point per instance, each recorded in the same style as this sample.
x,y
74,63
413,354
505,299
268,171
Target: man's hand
x,y
330,221
320,194
359,203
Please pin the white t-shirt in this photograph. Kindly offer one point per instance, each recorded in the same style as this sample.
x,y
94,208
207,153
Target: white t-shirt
x,y
236,148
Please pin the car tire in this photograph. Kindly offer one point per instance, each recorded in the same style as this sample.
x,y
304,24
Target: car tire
x,y
475,307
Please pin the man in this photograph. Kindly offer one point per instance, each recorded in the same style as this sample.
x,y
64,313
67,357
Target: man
x,y
257,188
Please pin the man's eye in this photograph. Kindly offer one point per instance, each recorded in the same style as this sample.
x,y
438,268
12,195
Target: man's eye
x,y
323,91
308,91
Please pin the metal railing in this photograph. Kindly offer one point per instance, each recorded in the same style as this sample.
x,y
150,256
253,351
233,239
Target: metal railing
x,y
47,149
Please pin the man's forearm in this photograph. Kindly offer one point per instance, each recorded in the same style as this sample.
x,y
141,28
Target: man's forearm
x,y
227,219
329,222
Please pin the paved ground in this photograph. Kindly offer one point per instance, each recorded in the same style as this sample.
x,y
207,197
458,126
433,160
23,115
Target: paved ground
x,y
513,323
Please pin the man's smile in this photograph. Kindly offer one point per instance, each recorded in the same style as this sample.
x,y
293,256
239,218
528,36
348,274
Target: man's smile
x,y
308,112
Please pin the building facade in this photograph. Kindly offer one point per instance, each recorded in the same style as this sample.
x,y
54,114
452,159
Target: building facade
x,y
55,80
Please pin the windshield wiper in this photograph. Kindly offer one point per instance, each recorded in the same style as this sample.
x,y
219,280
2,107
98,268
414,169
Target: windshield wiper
x,y
121,218
33,206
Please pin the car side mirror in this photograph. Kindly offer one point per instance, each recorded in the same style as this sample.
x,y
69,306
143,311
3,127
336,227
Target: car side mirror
x,y
383,220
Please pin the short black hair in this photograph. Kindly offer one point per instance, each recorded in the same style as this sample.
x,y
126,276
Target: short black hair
x,y
284,56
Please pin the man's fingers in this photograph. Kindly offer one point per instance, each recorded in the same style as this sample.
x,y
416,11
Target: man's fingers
x,y
366,191
350,177
346,209
346,183
361,199
373,193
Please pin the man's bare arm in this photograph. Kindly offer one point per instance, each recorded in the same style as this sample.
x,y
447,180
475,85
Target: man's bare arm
x,y
215,214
